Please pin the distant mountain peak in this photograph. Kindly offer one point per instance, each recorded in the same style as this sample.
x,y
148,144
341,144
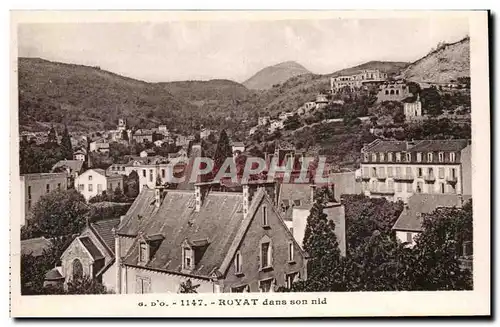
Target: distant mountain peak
x,y
276,74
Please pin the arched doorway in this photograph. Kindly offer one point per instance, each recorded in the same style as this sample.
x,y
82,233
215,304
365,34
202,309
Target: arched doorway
x,y
77,269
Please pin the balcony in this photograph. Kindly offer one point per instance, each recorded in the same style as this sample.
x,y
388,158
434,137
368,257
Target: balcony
x,y
430,178
405,177
451,179
382,192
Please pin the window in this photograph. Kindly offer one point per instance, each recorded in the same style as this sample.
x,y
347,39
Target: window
x,y
29,192
374,157
163,173
419,172
47,188
389,156
144,173
118,185
382,157
389,172
151,175
81,187
409,237
111,186
90,177
142,285
429,157
365,157
290,279
99,187
419,156
409,187
452,156
408,157
58,186
382,171
266,285
441,172
399,187
290,252
143,253
398,171
453,173
452,188
374,172
296,203
441,187
265,223
398,157
90,188
408,172
365,172
390,186
77,269
265,255
430,172
441,156
237,263
240,289
419,187
188,258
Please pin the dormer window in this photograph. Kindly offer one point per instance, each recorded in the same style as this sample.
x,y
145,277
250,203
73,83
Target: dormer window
x,y
374,157
408,157
237,263
452,156
398,157
143,253
429,157
366,157
419,156
296,203
382,157
187,258
389,156
441,156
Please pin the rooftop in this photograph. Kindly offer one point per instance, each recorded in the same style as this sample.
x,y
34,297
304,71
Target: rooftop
x,y
416,146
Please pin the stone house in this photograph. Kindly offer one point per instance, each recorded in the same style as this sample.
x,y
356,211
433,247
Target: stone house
x,y
91,254
95,181
221,241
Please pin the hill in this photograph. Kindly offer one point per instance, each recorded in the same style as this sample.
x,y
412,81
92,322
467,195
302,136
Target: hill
x,y
88,98
447,62
269,76
389,67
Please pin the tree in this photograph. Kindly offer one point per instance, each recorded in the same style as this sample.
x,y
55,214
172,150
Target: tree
x,y
188,287
85,285
292,122
222,151
431,101
33,271
125,135
439,249
52,136
399,116
66,147
131,185
59,215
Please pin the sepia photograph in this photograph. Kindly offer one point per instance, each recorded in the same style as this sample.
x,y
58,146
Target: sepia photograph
x,y
307,156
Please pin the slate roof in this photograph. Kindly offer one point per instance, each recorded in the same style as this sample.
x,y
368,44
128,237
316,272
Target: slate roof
x,y
410,218
53,274
289,193
35,246
90,246
73,165
416,146
217,222
104,230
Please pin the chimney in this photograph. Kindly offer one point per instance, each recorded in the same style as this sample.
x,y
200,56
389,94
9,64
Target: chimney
x,y
246,199
197,193
313,192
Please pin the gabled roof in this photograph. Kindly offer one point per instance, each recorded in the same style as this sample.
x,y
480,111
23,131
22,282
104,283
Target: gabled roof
x,y
35,246
215,225
411,219
103,229
91,248
73,165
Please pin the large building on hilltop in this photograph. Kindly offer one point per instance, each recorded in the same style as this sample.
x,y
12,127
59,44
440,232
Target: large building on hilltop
x,y
357,80
220,241
398,169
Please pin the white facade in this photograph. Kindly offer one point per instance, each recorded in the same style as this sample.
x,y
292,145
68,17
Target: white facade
x,y
92,183
399,181
276,125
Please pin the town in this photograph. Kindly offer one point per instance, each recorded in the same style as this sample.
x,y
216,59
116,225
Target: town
x,y
100,212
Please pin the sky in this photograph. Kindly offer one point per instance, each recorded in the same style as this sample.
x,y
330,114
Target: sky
x,y
203,50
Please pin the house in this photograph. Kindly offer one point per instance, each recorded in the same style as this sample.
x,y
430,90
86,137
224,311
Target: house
x,y
147,153
79,155
181,140
145,135
295,202
413,109
100,145
398,169
73,168
205,133
34,186
394,91
221,241
285,115
357,80
276,125
409,223
264,120
92,254
162,129
237,148
95,181
158,143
